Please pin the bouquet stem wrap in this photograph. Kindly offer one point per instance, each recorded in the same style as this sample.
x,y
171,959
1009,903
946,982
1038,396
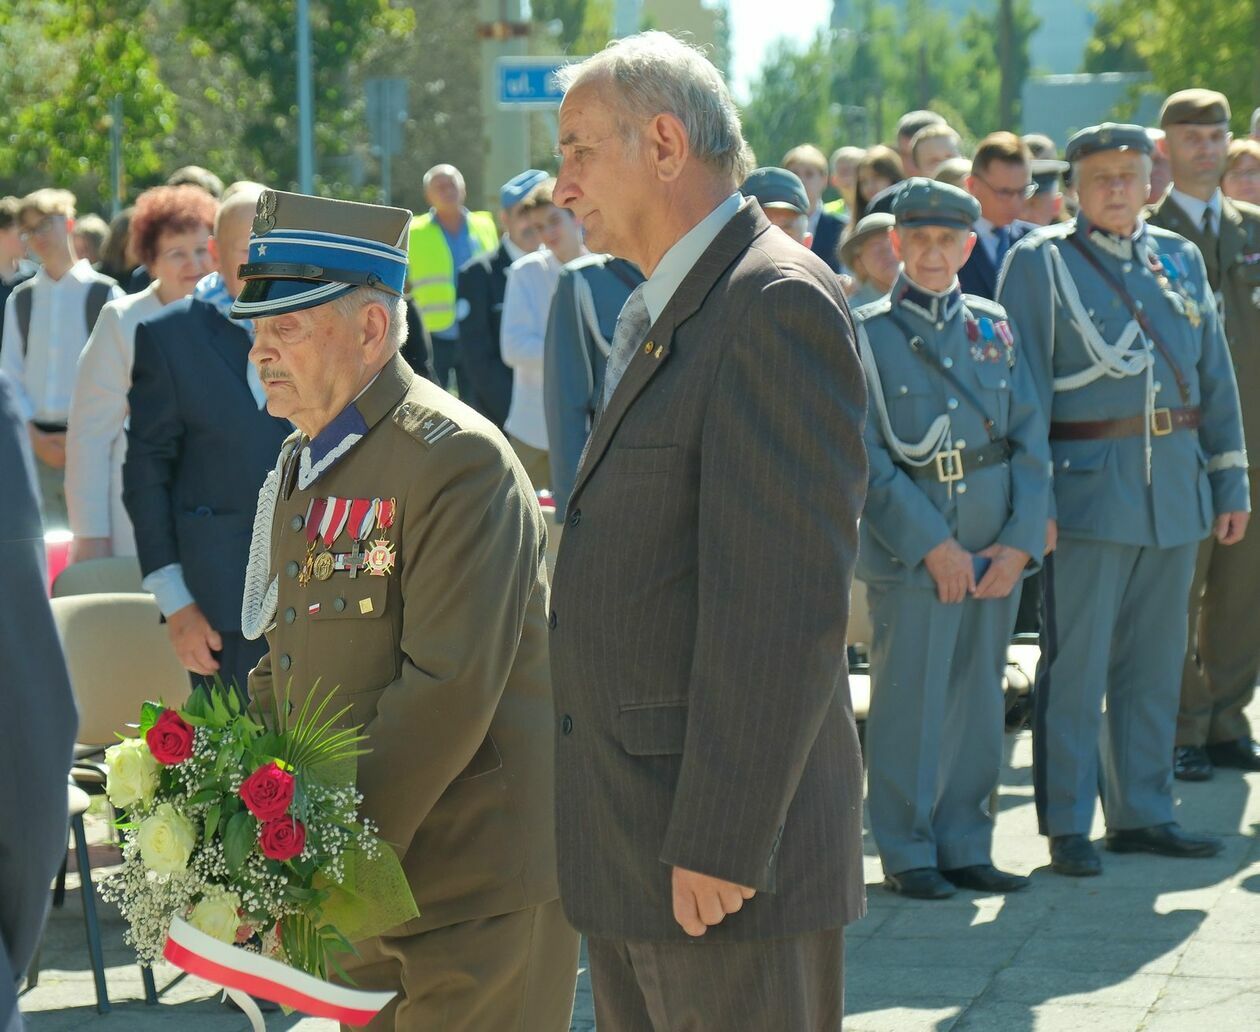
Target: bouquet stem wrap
x,y
241,972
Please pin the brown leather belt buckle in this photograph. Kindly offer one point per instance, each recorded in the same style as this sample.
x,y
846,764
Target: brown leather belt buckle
x,y
949,465
1161,422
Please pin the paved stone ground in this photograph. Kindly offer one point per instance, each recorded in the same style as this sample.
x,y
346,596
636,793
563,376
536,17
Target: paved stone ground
x,y
1152,945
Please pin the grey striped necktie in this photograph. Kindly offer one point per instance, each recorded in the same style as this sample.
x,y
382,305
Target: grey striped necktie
x,y
632,326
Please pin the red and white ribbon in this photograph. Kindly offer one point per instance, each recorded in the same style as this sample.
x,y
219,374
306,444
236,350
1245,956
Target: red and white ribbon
x,y
242,972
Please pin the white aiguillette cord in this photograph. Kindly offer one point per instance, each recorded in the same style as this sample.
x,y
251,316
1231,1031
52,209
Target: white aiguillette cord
x,y
258,603
248,1007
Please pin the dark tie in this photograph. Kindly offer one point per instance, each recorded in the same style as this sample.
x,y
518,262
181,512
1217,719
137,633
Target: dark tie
x,y
1209,232
1003,234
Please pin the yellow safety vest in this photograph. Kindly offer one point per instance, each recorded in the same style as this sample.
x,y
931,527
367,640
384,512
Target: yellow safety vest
x,y
836,207
432,269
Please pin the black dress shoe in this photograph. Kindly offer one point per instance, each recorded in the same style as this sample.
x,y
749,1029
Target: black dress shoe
x,y
1074,856
920,883
1163,840
986,878
1241,754
1191,763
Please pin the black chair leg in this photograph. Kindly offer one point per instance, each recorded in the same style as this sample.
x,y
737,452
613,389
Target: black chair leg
x,y
88,892
150,989
59,888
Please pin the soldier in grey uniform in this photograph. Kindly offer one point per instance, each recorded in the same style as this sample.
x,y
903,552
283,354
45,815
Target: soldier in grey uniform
x,y
1121,330
589,296
955,516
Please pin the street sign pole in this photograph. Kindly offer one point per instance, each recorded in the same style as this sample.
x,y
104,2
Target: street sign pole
x,y
503,30
306,115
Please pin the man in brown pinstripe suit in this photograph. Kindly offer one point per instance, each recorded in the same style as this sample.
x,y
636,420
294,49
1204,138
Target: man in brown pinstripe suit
x,y
708,776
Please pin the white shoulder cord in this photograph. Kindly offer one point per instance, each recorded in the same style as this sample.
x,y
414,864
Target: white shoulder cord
x,y
586,312
938,435
258,605
1130,355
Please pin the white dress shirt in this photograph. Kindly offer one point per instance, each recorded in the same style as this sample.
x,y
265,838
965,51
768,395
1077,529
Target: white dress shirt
x,y
96,442
44,376
679,259
1194,208
531,282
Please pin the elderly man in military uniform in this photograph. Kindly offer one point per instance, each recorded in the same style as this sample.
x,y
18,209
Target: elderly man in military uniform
x,y
782,197
1120,327
1223,657
397,559
955,515
868,252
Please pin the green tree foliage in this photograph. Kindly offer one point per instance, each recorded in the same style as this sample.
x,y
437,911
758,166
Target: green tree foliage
x,y
246,51
64,63
1183,43
850,87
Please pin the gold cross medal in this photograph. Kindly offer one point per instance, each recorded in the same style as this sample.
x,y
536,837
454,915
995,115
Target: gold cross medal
x,y
1192,311
380,558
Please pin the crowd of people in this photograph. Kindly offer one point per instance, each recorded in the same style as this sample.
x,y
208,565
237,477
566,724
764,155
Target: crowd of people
x,y
1055,357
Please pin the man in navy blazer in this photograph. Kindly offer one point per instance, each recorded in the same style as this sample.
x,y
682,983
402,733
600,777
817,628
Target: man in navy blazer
x,y
199,445
1001,180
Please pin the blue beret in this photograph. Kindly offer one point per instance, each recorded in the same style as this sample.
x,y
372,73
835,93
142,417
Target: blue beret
x,y
926,202
307,251
518,187
776,188
1108,136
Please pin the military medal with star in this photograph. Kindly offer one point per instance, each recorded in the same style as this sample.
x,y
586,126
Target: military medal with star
x,y
380,557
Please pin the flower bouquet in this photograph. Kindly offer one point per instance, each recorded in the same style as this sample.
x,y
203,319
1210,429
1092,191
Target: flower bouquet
x,y
245,860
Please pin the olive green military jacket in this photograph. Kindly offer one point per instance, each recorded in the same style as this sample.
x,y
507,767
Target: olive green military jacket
x,y
443,658
1233,269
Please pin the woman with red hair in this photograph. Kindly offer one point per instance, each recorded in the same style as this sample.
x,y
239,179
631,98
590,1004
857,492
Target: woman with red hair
x,y
170,232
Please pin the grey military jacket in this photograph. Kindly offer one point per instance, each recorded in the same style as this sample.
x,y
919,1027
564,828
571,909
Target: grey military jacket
x,y
1063,307
1006,502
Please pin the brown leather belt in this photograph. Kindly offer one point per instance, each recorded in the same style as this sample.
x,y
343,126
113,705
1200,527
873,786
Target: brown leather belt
x,y
1163,422
949,465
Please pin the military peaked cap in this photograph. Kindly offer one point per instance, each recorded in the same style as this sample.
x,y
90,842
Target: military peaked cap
x,y
1194,107
1106,137
307,251
926,202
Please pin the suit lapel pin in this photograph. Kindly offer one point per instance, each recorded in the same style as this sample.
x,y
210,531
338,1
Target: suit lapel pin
x,y
647,348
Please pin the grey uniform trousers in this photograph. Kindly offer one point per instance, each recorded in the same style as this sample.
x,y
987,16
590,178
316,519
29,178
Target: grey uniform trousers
x,y
1223,655
794,984
1115,620
934,732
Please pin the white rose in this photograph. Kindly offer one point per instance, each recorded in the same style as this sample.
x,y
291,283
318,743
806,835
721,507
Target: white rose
x,y
166,840
216,915
133,773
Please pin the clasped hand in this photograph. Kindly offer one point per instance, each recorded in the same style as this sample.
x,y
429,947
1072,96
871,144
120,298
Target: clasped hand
x,y
952,568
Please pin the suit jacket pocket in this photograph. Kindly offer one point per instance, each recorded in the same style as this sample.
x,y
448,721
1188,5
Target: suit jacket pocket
x,y
486,760
653,730
638,461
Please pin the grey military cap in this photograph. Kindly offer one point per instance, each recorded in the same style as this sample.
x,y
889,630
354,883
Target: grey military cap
x,y
926,202
1108,136
776,188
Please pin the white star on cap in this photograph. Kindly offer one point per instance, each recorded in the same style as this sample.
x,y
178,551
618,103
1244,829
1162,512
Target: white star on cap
x,y
262,250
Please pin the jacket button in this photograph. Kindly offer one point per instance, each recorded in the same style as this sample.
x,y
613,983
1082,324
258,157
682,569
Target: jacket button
x,y
551,620
291,568
297,522
290,615
285,662
566,725
575,517
339,604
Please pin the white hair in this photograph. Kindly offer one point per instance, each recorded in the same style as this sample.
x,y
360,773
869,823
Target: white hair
x,y
395,308
1255,121
443,170
653,73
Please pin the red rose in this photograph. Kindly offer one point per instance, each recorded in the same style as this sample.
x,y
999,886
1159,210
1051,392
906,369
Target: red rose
x,y
268,792
170,739
283,838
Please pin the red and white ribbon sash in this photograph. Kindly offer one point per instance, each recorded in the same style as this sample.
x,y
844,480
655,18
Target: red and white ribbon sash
x,y
242,971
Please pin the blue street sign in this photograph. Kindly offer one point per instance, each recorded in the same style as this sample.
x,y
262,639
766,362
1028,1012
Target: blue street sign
x,y
529,82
